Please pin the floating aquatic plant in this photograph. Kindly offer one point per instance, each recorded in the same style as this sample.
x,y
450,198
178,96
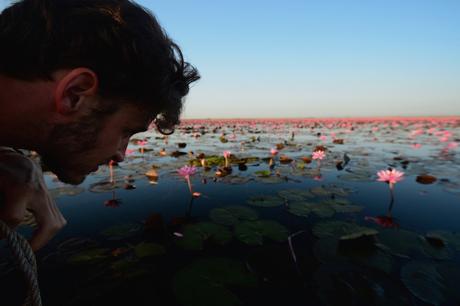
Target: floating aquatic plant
x,y
319,155
390,176
187,171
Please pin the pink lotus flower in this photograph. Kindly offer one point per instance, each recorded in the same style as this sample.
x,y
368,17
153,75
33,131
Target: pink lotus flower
x,y
273,151
186,171
323,138
416,133
319,155
444,136
391,176
227,154
444,139
452,145
142,143
416,146
129,151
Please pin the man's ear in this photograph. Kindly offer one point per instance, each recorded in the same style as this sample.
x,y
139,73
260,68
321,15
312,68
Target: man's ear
x,y
74,88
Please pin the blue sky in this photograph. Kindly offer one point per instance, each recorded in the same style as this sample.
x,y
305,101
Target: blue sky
x,y
317,58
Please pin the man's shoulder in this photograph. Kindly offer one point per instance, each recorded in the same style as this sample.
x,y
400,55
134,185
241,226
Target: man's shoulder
x,y
15,166
10,150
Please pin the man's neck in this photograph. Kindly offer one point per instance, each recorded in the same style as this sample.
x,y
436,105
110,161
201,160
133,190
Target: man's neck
x,y
20,114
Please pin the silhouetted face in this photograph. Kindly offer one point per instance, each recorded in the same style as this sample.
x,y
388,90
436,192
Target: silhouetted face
x,y
75,150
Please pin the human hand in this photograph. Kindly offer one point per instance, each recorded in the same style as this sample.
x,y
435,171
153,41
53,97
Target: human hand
x,y
22,189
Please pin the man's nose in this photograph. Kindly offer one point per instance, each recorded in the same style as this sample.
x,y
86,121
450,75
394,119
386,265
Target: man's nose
x,y
120,154
118,157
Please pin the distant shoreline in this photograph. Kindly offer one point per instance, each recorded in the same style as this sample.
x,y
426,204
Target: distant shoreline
x,y
382,118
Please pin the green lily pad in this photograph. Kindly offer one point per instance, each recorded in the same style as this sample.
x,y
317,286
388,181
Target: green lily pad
x,y
435,251
452,238
323,211
65,191
89,256
450,272
194,235
379,260
236,180
273,179
106,186
400,243
263,173
291,196
231,215
253,232
359,233
406,244
128,269
424,281
215,160
327,251
356,177
301,209
300,165
320,192
74,245
121,231
435,239
347,208
337,202
265,201
123,264
341,230
301,192
343,285
208,281
338,191
244,160
145,249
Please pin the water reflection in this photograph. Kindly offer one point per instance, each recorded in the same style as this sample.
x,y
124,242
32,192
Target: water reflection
x,y
387,221
114,202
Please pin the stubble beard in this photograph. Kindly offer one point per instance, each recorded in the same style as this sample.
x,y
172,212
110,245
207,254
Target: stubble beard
x,y
67,146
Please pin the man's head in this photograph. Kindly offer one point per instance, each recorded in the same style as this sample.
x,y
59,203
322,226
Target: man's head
x,y
108,61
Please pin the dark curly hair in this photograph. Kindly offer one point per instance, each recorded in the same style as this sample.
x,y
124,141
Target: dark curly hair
x,y
119,40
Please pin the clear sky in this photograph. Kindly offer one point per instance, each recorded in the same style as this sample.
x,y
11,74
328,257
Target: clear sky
x,y
317,58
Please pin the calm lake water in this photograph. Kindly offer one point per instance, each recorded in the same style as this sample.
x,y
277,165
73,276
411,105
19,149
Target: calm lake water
x,y
279,229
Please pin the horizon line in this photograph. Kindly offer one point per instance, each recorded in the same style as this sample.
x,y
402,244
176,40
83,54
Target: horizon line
x,y
328,117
